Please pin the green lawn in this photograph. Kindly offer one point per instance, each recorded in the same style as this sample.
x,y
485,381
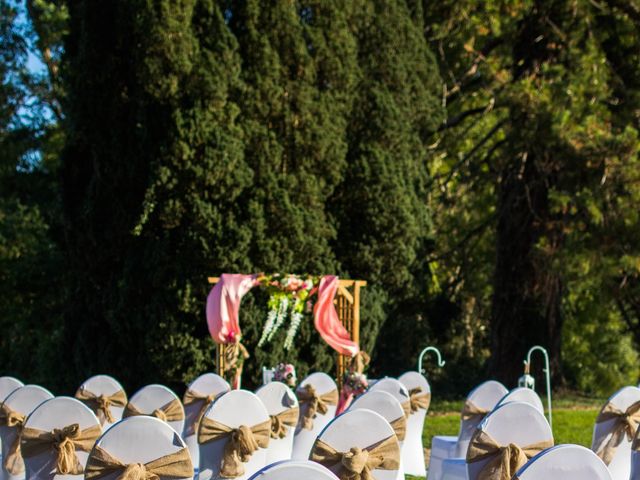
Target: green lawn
x,y
573,419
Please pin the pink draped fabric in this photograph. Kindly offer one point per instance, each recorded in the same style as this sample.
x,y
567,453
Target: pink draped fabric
x,y
326,318
223,305
345,401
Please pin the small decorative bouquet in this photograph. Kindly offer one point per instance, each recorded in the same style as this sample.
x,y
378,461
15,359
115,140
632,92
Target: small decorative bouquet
x,y
355,383
285,373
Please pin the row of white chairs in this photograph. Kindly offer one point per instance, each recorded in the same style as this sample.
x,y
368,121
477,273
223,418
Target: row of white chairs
x,y
33,408
517,418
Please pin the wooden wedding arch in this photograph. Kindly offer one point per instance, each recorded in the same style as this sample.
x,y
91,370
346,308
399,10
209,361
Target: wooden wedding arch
x,y
347,304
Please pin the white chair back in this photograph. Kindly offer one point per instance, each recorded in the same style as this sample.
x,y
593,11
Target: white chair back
x,y
635,457
104,385
382,403
413,450
303,438
23,400
522,394
205,385
485,396
233,409
620,465
519,423
389,408
277,397
359,428
57,413
392,386
8,385
139,439
153,397
568,462
294,470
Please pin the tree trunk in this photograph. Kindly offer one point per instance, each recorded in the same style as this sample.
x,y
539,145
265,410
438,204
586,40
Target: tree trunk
x,y
526,309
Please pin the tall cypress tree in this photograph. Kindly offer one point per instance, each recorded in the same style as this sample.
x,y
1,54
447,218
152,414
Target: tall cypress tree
x,y
151,173
380,206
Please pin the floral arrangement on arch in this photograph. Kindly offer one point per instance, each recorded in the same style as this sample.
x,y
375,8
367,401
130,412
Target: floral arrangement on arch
x,y
289,298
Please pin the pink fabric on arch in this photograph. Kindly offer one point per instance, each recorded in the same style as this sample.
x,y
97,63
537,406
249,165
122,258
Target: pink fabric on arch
x,y
326,319
223,306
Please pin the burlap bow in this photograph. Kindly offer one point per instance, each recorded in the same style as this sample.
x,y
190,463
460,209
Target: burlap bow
x,y
170,412
101,404
417,400
315,404
191,397
13,462
358,463
176,465
242,442
471,411
626,424
64,441
232,353
399,426
503,461
286,418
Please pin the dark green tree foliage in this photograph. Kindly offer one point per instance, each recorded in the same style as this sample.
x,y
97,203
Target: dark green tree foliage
x,y
380,206
206,139
29,259
150,182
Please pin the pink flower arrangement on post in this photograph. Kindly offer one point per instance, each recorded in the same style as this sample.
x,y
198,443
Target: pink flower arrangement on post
x,y
285,373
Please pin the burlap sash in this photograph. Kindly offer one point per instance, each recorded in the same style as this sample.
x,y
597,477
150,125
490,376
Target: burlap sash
x,y
170,412
286,418
626,424
399,426
358,463
191,397
472,411
64,441
101,404
232,353
176,465
315,403
242,442
503,462
13,462
417,400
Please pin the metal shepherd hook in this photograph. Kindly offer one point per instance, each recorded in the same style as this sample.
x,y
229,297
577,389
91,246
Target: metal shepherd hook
x,y
422,354
547,373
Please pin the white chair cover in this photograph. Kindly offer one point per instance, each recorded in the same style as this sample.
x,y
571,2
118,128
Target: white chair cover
x,y
413,450
303,438
8,385
140,439
359,428
384,404
206,384
635,458
152,397
522,394
620,466
566,462
294,470
485,396
57,412
23,400
105,385
519,423
277,397
233,409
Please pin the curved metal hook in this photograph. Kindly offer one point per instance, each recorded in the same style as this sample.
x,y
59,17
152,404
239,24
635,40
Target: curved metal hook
x,y
547,373
430,349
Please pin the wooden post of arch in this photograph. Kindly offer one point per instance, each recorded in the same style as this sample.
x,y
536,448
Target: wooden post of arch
x,y
347,303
